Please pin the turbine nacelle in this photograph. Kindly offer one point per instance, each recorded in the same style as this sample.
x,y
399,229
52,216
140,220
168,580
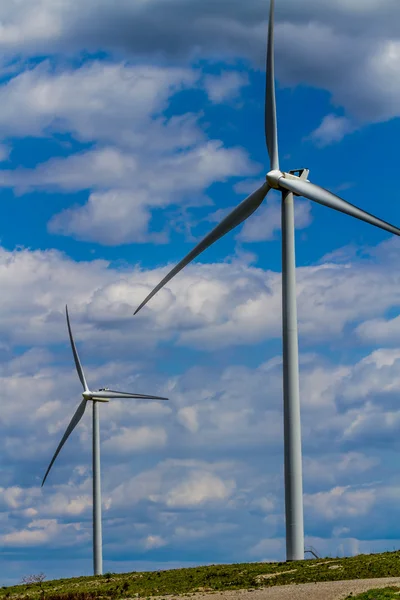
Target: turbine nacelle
x,y
302,173
274,177
88,395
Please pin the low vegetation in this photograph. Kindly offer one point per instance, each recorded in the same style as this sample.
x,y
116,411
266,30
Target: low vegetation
x,y
213,578
383,594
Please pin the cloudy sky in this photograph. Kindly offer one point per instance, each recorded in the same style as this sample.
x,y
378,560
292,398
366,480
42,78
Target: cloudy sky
x,y
127,129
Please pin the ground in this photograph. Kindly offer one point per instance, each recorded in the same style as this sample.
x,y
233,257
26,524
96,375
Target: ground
x,y
323,579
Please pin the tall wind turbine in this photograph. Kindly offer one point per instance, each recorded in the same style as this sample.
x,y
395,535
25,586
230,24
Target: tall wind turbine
x,y
291,183
101,395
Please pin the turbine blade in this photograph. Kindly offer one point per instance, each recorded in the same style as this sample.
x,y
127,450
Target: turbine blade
x,y
73,423
271,130
113,394
78,365
237,216
322,196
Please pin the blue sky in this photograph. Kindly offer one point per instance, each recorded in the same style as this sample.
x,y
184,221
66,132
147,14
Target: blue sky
x,y
124,138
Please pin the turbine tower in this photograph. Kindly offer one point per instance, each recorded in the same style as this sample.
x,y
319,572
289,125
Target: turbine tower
x,y
290,184
102,395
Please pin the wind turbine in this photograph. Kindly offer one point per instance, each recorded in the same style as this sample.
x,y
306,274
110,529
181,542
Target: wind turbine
x,y
102,395
291,183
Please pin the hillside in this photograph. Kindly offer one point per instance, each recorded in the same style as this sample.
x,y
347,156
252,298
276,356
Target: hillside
x,y
209,579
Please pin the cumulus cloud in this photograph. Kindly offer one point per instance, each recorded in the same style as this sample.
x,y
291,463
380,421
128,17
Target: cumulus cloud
x,y
96,101
206,306
226,86
177,484
41,531
121,216
330,296
115,218
383,331
199,489
188,416
129,440
356,58
110,167
138,155
328,469
331,130
365,84
4,152
341,502
267,549
153,541
364,378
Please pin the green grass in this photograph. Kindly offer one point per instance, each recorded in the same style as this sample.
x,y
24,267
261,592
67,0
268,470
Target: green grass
x,y
388,593
212,578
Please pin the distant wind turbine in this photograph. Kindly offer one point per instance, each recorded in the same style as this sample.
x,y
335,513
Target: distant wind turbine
x,y
291,183
102,395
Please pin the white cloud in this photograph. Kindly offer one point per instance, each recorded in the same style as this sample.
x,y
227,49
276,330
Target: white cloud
x,y
189,418
5,151
341,502
374,374
383,331
11,496
332,129
153,541
48,409
222,88
266,549
133,439
95,102
66,504
41,531
352,54
202,487
266,504
113,217
356,66
206,306
130,170
177,484
112,168
329,468
121,216
248,309
372,423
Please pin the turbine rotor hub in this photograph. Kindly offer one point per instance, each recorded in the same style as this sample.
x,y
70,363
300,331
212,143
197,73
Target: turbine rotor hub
x,y
273,178
88,395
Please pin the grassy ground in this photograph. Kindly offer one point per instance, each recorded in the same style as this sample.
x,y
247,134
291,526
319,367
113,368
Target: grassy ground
x,y
383,594
212,578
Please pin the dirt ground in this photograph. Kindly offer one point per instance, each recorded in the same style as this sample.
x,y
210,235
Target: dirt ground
x,y
327,590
